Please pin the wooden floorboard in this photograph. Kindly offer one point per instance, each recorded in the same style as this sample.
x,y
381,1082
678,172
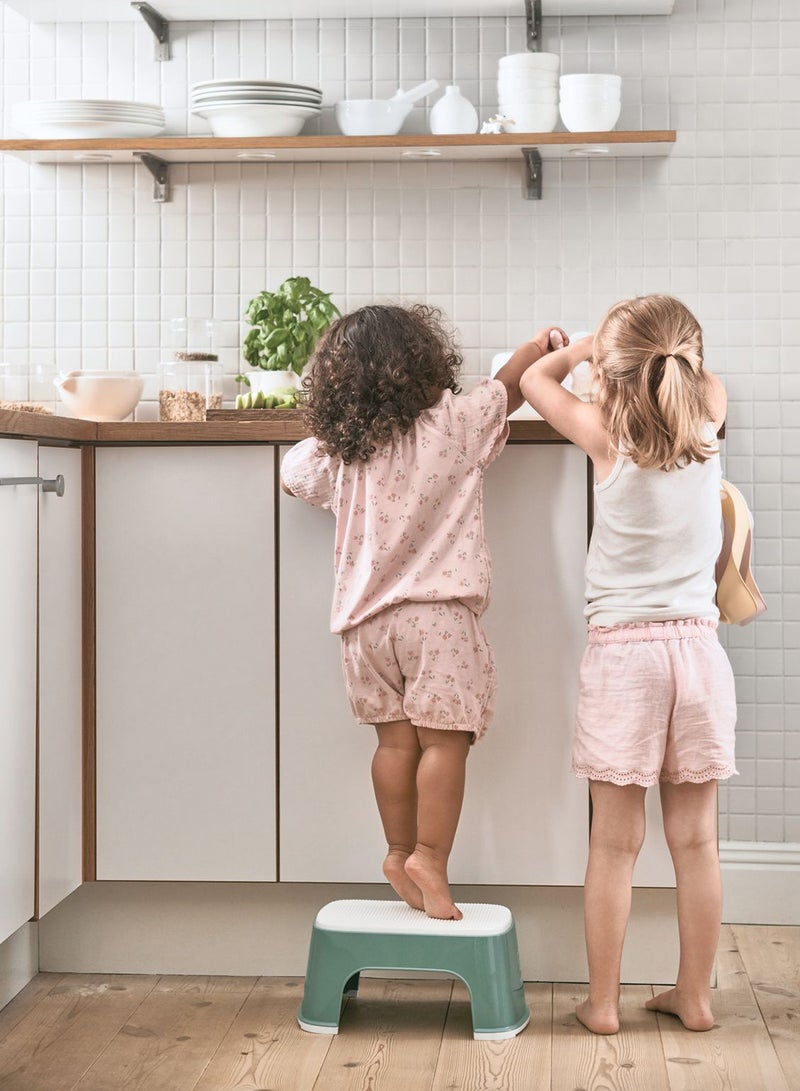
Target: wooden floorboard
x,y
172,1035
771,957
631,1060
517,1064
96,1032
25,1001
389,1037
737,1054
265,1047
52,1046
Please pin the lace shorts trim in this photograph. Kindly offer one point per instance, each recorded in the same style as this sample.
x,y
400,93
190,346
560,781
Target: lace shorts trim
x,y
714,771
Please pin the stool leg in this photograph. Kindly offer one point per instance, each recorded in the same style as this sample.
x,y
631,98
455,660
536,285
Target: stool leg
x,y
330,971
494,979
351,988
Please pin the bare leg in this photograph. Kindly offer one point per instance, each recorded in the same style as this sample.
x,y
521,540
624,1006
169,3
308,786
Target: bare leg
x,y
394,778
690,825
440,789
617,833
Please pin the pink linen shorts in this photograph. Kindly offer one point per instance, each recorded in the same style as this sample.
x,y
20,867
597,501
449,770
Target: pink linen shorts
x,y
427,662
656,702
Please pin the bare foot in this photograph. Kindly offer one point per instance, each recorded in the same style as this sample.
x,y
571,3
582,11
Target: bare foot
x,y
693,1012
394,868
430,876
598,1018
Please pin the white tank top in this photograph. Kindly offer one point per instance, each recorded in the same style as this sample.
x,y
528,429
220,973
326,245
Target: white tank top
x,y
656,538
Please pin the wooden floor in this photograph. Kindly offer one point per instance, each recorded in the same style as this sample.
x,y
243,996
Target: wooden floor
x,y
98,1032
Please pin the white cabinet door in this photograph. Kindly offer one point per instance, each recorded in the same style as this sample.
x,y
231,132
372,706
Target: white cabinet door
x,y
18,504
60,681
185,663
525,818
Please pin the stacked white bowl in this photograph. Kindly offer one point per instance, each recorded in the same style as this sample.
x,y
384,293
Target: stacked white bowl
x,y
255,107
590,103
527,92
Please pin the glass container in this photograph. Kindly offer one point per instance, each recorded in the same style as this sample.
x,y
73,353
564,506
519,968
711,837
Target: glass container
x,y
187,388
27,387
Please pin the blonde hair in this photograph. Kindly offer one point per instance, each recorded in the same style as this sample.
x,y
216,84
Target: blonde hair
x,y
652,393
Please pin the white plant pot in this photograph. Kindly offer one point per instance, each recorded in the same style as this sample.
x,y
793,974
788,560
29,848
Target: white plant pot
x,y
271,382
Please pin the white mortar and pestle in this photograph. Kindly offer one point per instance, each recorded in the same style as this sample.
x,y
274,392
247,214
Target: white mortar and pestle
x,y
379,117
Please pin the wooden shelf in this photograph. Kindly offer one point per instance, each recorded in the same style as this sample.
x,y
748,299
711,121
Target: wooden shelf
x,y
48,11
207,149
157,154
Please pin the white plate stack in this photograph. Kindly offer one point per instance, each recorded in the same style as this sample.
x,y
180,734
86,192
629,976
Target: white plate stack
x,y
255,107
527,92
590,103
77,119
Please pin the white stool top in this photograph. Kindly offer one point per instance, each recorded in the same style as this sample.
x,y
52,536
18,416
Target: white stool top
x,y
397,918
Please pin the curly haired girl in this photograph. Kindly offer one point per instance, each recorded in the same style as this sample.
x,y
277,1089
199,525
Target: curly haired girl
x,y
399,459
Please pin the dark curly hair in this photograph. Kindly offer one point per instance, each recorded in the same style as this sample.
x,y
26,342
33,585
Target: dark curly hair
x,y
373,372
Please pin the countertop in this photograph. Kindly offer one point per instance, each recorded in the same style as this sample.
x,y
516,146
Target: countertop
x,y
278,427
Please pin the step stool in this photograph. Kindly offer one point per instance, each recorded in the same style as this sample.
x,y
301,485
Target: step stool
x,y
481,949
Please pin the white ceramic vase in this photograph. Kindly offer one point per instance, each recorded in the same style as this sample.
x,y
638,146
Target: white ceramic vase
x,y
453,113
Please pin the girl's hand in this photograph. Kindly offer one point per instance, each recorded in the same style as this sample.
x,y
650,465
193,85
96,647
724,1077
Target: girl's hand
x,y
550,339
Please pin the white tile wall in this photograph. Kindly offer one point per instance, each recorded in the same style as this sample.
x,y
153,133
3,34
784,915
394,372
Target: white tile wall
x,y
92,268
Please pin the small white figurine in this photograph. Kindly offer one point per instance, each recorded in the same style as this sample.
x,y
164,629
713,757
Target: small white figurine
x,y
494,125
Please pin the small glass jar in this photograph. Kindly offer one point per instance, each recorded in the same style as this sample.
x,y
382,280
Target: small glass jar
x,y
188,387
27,387
193,338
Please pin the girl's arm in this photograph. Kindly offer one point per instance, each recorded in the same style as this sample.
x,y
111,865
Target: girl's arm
x,y
512,371
577,421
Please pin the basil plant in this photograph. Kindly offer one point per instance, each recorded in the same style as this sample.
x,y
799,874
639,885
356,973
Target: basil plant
x,y
287,324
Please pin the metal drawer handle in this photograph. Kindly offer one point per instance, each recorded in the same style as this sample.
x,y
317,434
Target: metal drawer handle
x,y
49,484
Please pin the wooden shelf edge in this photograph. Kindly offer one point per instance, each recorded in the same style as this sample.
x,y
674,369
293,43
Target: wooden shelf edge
x,y
256,429
353,143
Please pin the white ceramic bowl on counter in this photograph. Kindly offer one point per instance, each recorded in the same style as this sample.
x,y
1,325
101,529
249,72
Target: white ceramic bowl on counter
x,y
100,395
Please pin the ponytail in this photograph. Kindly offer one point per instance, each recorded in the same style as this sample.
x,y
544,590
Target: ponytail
x,y
653,397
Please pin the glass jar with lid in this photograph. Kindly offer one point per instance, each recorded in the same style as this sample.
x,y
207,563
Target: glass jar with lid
x,y
191,381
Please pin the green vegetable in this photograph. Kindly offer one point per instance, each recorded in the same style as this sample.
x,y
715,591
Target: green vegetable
x,y
287,324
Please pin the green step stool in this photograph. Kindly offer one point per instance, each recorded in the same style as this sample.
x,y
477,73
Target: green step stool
x,y
481,949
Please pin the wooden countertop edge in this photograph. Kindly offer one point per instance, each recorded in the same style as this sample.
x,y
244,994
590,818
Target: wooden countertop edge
x,y
44,428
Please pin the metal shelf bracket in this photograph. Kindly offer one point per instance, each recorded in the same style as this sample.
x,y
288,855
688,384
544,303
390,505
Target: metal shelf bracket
x,y
159,26
159,168
533,20
533,174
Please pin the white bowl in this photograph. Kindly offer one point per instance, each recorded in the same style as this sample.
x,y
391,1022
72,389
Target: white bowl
x,y
534,78
371,117
532,119
256,119
590,116
596,81
529,60
100,395
527,98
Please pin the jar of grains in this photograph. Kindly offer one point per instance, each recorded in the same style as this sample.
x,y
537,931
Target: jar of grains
x,y
191,381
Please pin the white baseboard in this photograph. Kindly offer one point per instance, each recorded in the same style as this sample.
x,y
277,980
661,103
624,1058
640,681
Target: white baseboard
x,y
19,961
761,880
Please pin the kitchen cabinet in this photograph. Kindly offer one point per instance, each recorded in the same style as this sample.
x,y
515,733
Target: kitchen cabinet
x,y
60,832
185,734
525,817
18,530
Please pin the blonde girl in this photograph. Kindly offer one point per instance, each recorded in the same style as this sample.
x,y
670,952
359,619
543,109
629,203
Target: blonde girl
x,y
656,702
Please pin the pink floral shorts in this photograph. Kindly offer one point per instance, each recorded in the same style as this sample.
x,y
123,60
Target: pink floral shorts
x,y
427,662
656,702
